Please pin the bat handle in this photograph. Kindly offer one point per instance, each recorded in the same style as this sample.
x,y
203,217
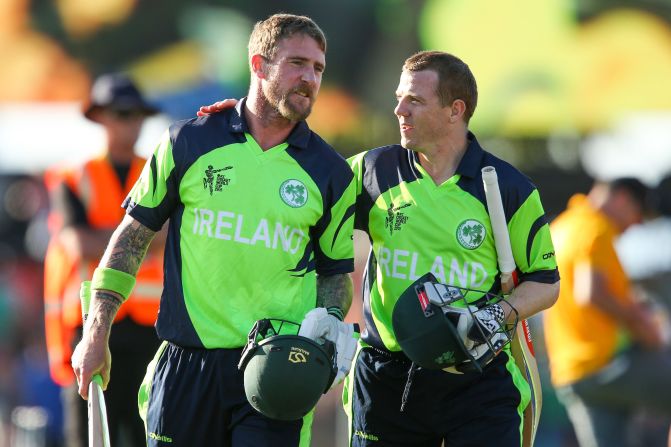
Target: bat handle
x,y
85,299
97,378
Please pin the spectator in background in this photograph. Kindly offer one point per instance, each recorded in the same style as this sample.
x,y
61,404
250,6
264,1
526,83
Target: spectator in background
x,y
641,250
608,357
86,208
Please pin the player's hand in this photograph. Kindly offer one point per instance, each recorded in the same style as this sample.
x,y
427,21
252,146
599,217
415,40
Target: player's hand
x,y
320,326
487,322
481,332
217,107
91,356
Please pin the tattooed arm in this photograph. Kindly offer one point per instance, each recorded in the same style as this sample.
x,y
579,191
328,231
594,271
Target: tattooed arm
x,y
334,290
125,252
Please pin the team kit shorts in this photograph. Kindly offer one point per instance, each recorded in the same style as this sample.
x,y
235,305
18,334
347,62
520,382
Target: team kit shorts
x,y
196,397
469,409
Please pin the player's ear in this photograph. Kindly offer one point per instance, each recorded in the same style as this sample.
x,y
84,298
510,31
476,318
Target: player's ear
x,y
258,66
457,110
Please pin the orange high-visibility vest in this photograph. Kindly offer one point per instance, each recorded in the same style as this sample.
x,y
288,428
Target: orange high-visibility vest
x,y
98,188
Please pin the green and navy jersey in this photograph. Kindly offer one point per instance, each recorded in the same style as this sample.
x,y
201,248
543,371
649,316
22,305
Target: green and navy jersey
x,y
416,226
249,229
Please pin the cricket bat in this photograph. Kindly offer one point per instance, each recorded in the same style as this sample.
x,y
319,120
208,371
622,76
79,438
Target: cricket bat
x,y
98,431
522,346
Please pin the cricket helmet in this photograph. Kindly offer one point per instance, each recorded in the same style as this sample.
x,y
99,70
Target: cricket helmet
x,y
432,321
285,374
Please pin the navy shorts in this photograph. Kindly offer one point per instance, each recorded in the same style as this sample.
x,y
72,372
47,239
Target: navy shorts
x,y
458,409
196,397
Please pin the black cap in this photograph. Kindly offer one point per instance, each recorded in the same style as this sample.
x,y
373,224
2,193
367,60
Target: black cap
x,y
116,92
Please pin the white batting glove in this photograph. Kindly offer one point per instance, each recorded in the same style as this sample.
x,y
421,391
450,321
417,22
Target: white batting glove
x,y
320,326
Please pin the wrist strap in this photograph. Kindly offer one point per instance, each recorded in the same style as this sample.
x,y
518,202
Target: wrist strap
x,y
113,280
337,312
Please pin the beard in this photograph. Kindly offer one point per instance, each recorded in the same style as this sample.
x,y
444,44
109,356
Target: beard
x,y
281,101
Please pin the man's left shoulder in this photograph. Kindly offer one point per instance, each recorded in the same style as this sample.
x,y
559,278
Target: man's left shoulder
x,y
509,177
318,145
325,153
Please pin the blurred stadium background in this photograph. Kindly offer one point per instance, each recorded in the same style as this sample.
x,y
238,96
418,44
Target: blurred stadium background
x,y
568,91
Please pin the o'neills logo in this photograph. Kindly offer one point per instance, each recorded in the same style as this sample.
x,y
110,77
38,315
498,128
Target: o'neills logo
x,y
298,355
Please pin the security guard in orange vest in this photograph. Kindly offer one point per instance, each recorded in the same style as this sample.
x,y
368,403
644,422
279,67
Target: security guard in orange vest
x,y
86,208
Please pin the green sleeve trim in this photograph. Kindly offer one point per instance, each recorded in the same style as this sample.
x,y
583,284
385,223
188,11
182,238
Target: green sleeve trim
x,y
151,188
532,243
356,164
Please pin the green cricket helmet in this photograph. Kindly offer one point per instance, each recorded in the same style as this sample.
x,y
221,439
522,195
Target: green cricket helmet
x,y
285,374
423,330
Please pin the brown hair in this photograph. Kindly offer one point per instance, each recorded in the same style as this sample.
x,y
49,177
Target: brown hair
x,y
455,79
269,32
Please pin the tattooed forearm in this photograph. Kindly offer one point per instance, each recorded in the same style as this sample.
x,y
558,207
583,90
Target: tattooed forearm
x,y
334,290
104,308
128,246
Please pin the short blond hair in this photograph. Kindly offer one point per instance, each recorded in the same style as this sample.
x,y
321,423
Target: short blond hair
x,y
267,33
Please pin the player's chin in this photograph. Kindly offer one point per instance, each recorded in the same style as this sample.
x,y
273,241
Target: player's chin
x,y
408,143
295,113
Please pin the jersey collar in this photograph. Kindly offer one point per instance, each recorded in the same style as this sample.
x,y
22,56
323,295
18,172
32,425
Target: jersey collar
x,y
471,162
299,136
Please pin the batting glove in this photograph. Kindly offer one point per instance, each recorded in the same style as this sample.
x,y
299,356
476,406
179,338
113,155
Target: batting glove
x,y
487,322
478,329
320,325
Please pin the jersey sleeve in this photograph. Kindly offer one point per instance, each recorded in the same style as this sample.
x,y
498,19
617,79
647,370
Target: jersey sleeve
x,y
356,163
531,242
334,253
156,193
